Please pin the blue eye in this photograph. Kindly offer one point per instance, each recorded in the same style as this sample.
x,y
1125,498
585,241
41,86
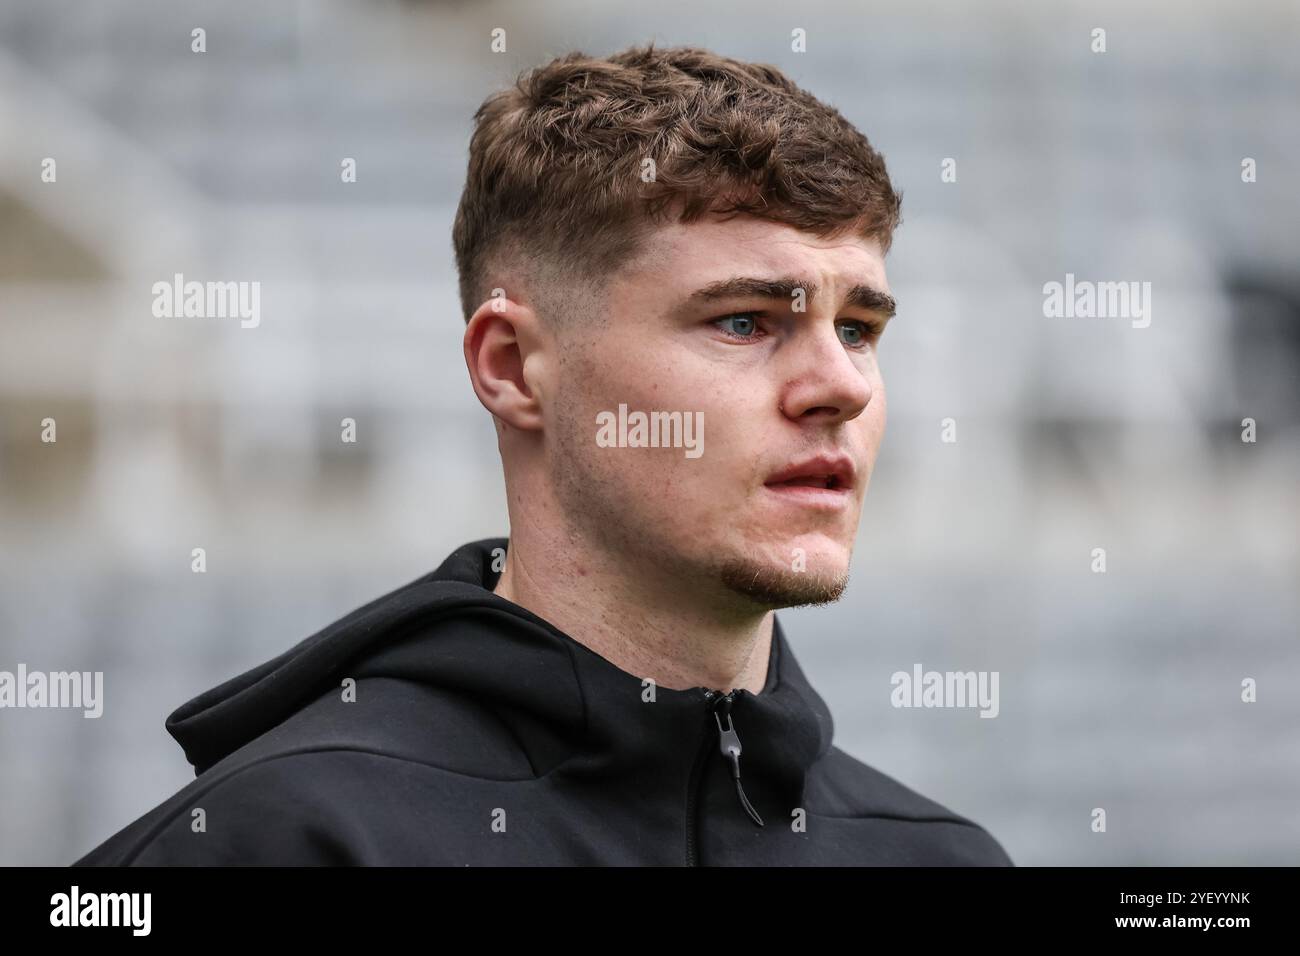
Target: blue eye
x,y
859,333
744,324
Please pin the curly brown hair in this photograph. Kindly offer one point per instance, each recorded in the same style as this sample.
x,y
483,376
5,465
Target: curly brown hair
x,y
558,162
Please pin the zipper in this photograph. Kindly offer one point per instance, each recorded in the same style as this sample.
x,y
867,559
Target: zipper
x,y
718,706
729,743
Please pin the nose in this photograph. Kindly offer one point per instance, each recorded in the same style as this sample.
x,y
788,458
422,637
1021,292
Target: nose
x,y
827,383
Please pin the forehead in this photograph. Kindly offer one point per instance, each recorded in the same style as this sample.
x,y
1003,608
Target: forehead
x,y
682,257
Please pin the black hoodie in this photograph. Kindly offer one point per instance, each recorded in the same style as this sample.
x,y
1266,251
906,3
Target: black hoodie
x,y
478,734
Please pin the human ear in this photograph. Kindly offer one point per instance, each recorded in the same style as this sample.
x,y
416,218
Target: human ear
x,y
503,348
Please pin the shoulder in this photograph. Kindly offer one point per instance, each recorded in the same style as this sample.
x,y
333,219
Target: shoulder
x,y
263,812
300,793
928,832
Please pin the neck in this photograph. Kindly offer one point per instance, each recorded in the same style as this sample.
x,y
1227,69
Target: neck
x,y
636,617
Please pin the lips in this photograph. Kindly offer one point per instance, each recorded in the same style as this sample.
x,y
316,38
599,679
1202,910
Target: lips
x,y
832,472
809,481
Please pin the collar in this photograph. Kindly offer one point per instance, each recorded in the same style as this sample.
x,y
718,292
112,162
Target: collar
x,y
581,721
630,727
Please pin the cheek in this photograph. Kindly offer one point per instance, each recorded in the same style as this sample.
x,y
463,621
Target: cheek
x,y
617,369
607,419
874,425
726,410
873,432
877,407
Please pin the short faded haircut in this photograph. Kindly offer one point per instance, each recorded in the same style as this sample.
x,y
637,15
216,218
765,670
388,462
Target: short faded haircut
x,y
558,164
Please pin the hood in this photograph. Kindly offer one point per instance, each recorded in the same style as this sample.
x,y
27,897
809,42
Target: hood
x,y
447,630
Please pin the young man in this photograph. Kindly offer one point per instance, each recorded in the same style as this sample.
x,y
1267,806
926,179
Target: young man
x,y
672,267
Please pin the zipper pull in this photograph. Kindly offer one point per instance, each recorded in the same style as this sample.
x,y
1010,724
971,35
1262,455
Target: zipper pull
x,y
729,743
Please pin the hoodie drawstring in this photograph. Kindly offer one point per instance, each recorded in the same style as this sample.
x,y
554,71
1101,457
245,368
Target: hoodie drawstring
x,y
729,743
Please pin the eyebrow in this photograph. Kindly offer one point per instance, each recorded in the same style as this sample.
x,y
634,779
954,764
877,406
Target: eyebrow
x,y
747,287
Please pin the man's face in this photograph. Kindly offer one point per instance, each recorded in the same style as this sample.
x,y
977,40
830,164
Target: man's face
x,y
787,381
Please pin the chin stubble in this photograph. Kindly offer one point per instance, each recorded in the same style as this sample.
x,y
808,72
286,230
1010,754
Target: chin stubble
x,y
775,588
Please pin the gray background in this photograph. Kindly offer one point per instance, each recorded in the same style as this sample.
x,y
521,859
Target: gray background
x,y
1119,691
